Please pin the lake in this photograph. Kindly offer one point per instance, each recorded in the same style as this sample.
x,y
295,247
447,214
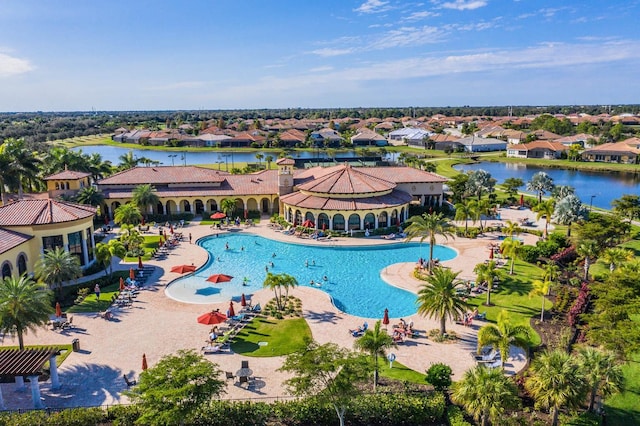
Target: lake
x,y
605,187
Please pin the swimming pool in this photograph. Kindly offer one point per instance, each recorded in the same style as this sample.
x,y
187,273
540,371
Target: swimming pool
x,y
353,273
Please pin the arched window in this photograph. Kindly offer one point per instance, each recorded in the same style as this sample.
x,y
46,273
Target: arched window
x,y
338,222
323,221
383,220
354,221
22,264
369,221
6,270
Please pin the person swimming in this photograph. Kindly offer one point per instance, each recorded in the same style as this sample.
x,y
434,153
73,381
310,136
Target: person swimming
x,y
325,278
226,246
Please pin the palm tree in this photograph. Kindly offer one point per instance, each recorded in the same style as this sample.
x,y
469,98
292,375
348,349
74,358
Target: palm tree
x,y
485,393
268,159
616,256
504,335
464,211
439,299
569,210
555,381
628,205
7,175
144,196
480,181
487,272
106,252
540,288
58,266
128,161
90,195
259,157
545,209
24,164
511,248
99,169
127,213
428,226
551,272
603,375
228,206
24,306
278,282
511,228
375,342
589,250
561,191
540,183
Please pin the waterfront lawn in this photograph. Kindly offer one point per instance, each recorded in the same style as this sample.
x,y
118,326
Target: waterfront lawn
x,y
151,243
513,296
90,304
401,372
282,337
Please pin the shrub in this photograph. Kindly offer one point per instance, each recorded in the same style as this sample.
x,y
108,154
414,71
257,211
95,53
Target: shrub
x,y
529,254
455,416
439,376
579,305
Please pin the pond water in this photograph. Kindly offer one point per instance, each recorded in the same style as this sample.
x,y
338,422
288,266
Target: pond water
x,y
605,187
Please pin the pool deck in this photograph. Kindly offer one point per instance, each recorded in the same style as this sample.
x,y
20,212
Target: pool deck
x,y
157,326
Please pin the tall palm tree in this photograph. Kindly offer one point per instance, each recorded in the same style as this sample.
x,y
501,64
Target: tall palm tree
x,y
487,272
24,306
464,211
511,248
127,213
503,335
428,225
90,195
616,256
589,250
277,283
601,371
268,159
545,209
228,206
259,157
58,266
99,169
375,342
540,288
540,183
128,161
555,381
24,163
485,393
7,175
145,196
439,299
106,251
511,228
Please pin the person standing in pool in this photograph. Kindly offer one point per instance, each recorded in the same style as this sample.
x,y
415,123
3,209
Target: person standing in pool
x,y
226,246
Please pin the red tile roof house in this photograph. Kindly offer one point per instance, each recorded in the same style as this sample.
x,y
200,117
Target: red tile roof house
x,y
367,137
291,138
626,151
537,149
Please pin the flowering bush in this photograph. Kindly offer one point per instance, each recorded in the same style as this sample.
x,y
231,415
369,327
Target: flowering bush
x,y
579,305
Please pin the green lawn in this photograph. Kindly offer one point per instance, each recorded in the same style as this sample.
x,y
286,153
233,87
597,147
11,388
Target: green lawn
x,y
401,373
282,337
151,243
513,296
90,304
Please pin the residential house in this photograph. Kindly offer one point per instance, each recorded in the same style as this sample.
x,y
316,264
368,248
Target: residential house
x,y
412,136
367,137
474,144
547,150
292,137
626,151
326,137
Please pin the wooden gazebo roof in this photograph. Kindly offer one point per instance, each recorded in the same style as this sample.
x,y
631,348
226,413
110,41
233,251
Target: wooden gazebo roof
x,y
26,362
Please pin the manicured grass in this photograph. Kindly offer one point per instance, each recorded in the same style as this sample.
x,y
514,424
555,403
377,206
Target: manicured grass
x,y
151,243
283,337
513,296
401,373
65,350
90,304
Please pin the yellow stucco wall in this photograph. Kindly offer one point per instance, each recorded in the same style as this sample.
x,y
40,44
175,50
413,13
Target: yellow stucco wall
x,y
73,184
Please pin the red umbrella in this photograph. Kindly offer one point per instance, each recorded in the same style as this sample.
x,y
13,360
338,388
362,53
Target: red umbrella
x,y
308,224
243,300
181,269
140,266
385,318
59,309
171,228
144,362
212,318
218,216
219,278
121,284
521,200
231,312
491,253
324,226
132,274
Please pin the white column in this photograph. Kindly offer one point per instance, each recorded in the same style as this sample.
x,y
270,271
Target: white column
x,y
85,252
331,222
440,200
53,366
35,392
375,221
20,387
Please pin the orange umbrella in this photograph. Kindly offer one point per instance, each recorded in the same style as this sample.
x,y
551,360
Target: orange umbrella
x,y
218,216
140,266
385,318
219,278
211,318
181,269
243,300
58,310
231,312
132,274
144,362
121,284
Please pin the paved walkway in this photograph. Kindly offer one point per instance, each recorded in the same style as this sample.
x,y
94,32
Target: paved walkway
x,y
158,326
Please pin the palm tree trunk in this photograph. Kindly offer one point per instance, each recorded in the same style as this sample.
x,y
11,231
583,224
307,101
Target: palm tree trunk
x,y
432,242
375,373
592,397
554,416
513,261
489,285
20,340
483,419
443,325
542,313
587,265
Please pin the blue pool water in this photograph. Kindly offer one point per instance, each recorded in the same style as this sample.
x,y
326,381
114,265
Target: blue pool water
x,y
353,273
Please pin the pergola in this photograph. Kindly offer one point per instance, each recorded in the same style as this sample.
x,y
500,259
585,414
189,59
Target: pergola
x,y
17,364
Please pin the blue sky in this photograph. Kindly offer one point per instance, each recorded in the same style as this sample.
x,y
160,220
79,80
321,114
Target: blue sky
x,y
132,55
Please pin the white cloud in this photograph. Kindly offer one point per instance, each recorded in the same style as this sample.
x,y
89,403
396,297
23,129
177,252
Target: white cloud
x,y
464,4
407,36
373,6
321,69
10,65
327,52
418,16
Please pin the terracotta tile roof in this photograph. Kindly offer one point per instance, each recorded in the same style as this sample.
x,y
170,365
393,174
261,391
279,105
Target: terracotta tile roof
x,y
42,212
163,175
67,175
552,146
285,161
618,147
298,199
347,180
10,239
403,174
293,135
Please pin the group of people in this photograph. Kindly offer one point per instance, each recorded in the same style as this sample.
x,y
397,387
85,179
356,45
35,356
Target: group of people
x,y
402,330
468,317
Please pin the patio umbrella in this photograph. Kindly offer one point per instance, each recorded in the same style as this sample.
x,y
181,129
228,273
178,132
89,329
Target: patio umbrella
x,y
231,312
385,317
171,228
243,300
181,269
144,362
324,226
132,274
218,216
140,266
521,200
59,309
491,253
308,224
219,278
121,284
212,318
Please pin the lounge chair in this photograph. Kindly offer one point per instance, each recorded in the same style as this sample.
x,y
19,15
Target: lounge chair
x,y
389,237
487,358
229,375
128,382
211,349
360,330
495,364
